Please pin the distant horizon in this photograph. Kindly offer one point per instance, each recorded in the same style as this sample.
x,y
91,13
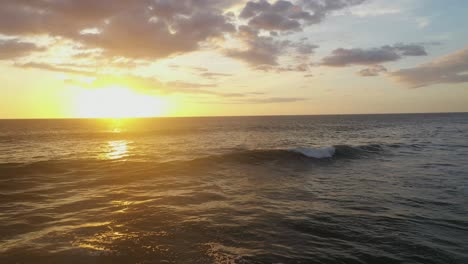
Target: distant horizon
x,y
214,116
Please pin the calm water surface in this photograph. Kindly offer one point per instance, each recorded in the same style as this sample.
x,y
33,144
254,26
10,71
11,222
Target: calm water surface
x,y
304,189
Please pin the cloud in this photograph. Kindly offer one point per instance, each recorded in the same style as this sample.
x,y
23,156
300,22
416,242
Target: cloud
x,y
277,18
452,68
374,70
146,84
214,75
201,71
285,15
302,67
304,48
423,22
13,48
268,100
321,9
261,50
189,85
379,8
191,68
410,49
278,100
55,68
182,87
149,29
345,57
256,100
274,21
151,84
137,36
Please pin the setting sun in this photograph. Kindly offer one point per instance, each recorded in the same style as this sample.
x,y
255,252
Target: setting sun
x,y
117,102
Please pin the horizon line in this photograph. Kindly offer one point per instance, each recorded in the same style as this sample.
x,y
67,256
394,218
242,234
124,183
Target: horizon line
x,y
227,116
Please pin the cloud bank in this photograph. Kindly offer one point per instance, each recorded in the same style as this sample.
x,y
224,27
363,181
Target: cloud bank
x,y
450,69
346,57
373,70
13,48
262,34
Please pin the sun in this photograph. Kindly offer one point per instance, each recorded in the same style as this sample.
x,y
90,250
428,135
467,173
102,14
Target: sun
x,y
117,102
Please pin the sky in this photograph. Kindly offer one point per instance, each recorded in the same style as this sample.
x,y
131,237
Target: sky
x,y
140,58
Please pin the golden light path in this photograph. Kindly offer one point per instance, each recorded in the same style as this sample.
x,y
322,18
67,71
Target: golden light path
x,y
117,102
117,149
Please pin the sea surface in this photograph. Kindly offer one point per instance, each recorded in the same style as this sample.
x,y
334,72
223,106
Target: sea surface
x,y
285,189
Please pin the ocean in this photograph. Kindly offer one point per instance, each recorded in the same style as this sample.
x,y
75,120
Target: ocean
x,y
279,189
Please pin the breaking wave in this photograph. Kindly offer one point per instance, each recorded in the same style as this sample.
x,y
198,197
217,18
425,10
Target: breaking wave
x,y
318,153
300,153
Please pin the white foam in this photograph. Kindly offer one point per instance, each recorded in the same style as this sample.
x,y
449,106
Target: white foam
x,y
318,153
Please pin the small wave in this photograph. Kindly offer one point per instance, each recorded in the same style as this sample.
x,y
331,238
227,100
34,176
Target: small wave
x,y
339,151
300,154
318,153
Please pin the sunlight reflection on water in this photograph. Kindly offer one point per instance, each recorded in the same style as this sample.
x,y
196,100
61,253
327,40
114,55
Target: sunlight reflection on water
x,y
116,149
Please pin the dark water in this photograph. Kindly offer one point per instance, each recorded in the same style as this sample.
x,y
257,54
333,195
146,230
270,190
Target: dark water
x,y
308,189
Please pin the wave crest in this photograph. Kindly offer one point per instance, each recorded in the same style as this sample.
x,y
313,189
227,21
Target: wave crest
x,y
318,153
299,154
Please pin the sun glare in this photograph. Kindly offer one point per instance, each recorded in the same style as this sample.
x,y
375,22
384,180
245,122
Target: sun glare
x,y
117,102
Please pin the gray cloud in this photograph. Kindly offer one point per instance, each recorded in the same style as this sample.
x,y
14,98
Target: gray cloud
x,y
149,29
304,48
260,50
452,68
274,21
12,48
410,49
374,70
136,36
345,57
278,18
322,8
154,29
283,15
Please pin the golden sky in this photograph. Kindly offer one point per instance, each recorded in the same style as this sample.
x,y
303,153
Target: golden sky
x,y
117,58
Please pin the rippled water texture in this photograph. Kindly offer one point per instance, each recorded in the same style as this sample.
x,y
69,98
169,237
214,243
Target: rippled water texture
x,y
311,189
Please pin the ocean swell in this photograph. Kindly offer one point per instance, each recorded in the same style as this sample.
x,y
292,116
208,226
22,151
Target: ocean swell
x,y
301,154
337,151
318,153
